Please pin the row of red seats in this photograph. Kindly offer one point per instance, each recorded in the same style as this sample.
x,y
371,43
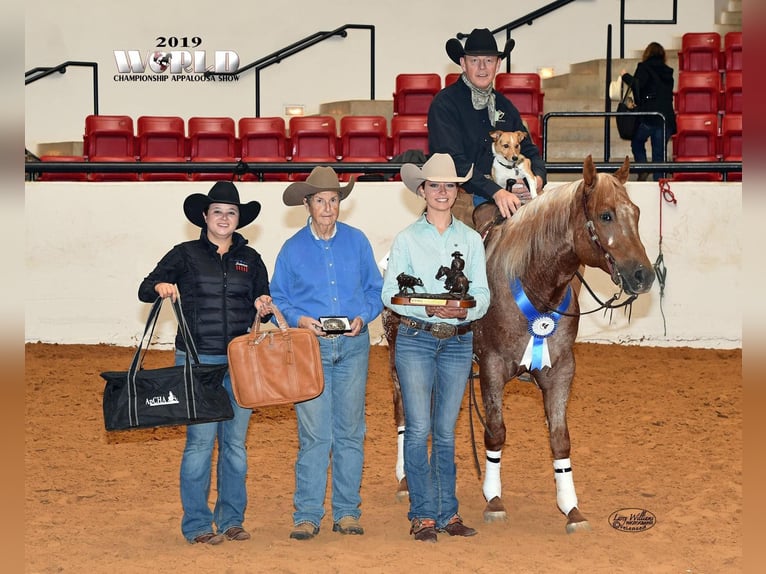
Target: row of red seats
x,y
709,92
312,139
708,138
702,52
414,92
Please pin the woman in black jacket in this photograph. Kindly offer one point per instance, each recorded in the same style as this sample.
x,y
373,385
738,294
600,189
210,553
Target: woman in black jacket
x,y
652,86
223,283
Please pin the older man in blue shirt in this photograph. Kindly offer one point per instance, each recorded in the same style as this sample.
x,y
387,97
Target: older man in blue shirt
x,y
327,269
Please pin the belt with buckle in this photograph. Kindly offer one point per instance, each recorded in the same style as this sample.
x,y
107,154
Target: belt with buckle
x,y
438,330
331,335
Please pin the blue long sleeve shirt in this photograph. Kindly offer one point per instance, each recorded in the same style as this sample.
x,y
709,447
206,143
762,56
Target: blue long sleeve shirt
x,y
320,278
419,250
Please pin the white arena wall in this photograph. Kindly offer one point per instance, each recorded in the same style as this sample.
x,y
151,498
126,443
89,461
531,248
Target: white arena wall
x,y
88,246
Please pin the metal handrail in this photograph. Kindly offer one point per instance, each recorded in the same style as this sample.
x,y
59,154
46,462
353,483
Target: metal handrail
x,y
623,21
296,47
39,73
392,168
527,20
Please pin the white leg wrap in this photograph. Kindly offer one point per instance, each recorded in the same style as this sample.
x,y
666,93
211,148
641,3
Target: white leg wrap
x,y
566,498
400,454
492,486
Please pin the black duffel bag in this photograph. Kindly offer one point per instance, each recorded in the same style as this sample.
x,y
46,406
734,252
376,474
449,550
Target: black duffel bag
x,y
626,125
178,395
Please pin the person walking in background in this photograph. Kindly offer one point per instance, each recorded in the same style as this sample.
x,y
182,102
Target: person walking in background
x,y
223,283
652,86
434,344
327,269
463,114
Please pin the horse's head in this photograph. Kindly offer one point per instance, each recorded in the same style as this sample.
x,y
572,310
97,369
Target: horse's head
x,y
609,237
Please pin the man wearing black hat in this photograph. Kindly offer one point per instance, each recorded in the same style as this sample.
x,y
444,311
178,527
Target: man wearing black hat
x,y
462,115
223,283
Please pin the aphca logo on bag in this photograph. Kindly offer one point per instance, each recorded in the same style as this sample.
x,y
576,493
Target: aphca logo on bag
x,y
159,401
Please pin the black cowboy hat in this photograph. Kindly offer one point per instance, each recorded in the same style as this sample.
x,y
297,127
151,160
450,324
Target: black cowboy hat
x,y
221,192
480,42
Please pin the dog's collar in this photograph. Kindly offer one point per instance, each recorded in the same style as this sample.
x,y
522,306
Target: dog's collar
x,y
507,166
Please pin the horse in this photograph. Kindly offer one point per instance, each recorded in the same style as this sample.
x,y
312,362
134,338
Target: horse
x,y
533,316
455,282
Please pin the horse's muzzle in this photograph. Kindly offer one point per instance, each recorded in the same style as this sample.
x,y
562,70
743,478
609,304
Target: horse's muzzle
x,y
639,280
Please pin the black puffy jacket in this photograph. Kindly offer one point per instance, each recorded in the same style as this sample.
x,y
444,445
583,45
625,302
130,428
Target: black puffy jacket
x,y
217,292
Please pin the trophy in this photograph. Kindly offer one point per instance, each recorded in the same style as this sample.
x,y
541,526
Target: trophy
x,y
456,285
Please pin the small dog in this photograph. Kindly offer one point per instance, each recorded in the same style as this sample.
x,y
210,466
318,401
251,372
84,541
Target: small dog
x,y
509,163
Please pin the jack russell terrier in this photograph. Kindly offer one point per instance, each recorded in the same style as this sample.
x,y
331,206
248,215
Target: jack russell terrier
x,y
509,164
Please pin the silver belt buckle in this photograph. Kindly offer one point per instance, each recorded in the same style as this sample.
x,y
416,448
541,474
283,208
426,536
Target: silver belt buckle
x,y
443,330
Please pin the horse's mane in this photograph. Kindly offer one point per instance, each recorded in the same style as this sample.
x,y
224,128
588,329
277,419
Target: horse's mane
x,y
534,232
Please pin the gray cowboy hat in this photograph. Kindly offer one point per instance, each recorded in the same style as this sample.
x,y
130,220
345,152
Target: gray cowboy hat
x,y
480,42
221,192
440,168
320,179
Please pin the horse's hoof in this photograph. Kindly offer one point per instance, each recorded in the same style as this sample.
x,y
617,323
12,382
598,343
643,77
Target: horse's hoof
x,y
403,491
495,511
576,522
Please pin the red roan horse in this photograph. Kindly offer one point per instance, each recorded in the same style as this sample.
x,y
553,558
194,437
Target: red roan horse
x,y
533,315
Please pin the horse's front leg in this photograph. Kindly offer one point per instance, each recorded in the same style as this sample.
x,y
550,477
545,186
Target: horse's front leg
x,y
390,329
493,379
555,399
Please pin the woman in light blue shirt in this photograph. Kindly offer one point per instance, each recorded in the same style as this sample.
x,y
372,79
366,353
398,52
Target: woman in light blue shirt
x,y
434,344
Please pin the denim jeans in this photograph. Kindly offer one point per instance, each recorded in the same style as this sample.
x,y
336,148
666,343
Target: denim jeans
x,y
196,464
653,133
433,374
331,427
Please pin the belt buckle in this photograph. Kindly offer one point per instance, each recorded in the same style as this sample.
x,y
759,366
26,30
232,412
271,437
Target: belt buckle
x,y
443,330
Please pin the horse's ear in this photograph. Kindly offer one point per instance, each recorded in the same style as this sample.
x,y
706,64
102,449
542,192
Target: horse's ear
x,y
623,173
588,171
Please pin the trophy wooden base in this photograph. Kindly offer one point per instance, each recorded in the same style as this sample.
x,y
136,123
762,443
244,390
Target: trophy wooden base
x,y
435,300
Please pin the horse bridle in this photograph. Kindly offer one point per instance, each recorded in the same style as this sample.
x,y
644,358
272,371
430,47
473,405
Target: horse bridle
x,y
591,227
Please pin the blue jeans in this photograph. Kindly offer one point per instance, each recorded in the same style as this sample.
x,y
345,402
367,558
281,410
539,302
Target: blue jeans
x,y
196,464
433,374
331,427
653,133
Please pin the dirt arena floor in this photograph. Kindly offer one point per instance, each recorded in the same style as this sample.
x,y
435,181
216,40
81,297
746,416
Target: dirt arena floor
x,y
655,429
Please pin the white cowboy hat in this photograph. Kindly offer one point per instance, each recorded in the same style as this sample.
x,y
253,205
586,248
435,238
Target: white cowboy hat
x,y
440,168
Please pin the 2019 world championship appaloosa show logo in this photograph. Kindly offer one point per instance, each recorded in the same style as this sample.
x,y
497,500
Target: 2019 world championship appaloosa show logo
x,y
176,59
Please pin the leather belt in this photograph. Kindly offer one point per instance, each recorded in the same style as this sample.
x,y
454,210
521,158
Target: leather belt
x,y
438,330
330,335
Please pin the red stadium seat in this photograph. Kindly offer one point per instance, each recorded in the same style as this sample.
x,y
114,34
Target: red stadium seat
x,y
698,92
700,52
731,141
732,93
212,139
524,91
414,92
533,125
109,136
263,140
732,50
314,139
363,139
696,139
161,139
451,79
409,132
363,136
63,176
696,135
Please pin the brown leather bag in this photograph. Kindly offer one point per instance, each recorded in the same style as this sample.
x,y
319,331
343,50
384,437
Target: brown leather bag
x,y
276,366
